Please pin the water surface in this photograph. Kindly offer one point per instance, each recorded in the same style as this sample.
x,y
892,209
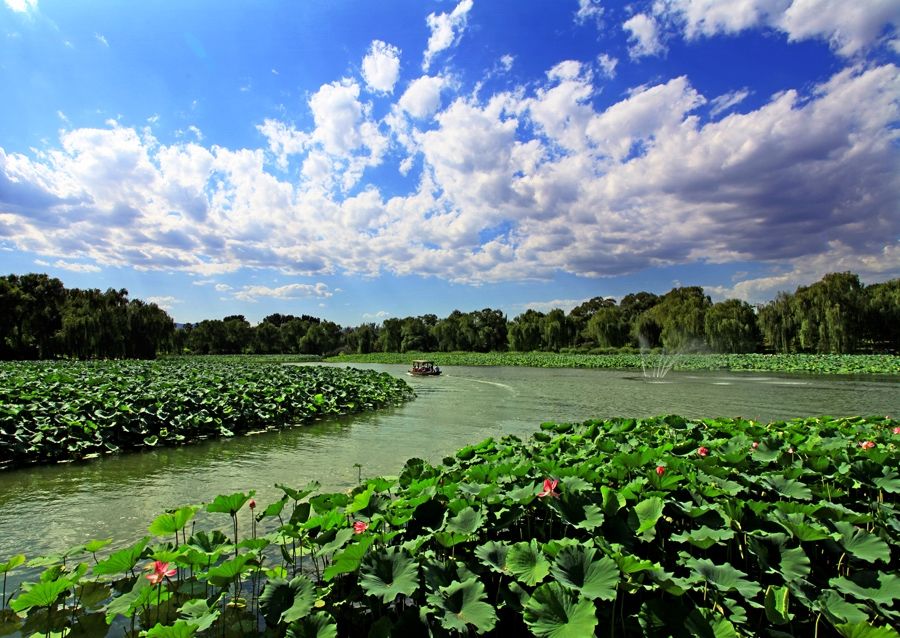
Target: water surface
x,y
50,509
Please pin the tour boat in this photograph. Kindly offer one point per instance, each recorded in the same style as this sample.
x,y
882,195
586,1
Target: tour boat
x,y
424,368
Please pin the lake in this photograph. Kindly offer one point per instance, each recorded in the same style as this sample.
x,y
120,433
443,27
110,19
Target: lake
x,y
50,509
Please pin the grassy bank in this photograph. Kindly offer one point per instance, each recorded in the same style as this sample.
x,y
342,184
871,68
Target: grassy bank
x,y
625,527
808,363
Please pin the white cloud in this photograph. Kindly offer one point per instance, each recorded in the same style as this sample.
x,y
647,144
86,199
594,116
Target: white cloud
x,y
423,96
589,10
849,27
289,291
101,39
381,66
506,62
446,29
381,314
725,101
62,116
643,36
284,140
75,266
607,65
565,305
166,302
22,6
222,287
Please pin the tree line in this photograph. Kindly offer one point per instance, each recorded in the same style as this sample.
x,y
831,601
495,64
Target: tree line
x,y
838,314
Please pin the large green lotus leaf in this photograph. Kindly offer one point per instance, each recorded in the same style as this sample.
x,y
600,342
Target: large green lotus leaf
x,y
838,610
527,563
317,625
298,495
555,612
198,613
466,522
229,504
123,560
12,563
337,542
461,604
889,482
648,512
223,574
777,605
788,487
723,577
171,522
704,537
349,559
865,630
91,546
861,544
281,595
795,564
181,629
878,587
801,526
493,555
361,500
575,567
142,594
40,595
389,573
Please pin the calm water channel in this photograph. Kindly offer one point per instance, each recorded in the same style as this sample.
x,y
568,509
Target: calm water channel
x,y
50,509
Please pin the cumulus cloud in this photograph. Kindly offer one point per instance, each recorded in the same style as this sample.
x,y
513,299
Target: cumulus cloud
x,y
446,30
289,291
381,66
423,96
589,10
517,185
22,6
643,36
849,27
607,65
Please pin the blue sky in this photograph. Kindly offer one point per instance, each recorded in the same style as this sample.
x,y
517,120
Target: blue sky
x,y
359,160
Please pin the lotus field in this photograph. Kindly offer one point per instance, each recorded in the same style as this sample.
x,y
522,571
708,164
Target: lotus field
x,y
55,411
622,527
803,363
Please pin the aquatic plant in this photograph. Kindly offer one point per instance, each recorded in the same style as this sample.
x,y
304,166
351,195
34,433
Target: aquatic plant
x,y
747,540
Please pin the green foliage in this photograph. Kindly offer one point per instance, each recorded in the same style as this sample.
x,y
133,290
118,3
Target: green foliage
x,y
746,541
51,411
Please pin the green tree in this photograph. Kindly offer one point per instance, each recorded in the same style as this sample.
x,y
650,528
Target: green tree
x,y
681,314
731,326
607,327
882,316
524,332
556,331
390,338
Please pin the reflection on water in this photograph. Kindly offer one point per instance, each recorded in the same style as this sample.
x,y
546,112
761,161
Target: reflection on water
x,y
49,509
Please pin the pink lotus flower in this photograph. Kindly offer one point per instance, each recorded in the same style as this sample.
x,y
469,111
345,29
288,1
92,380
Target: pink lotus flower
x,y
703,451
160,570
660,470
867,445
549,488
755,445
897,430
360,526
252,504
